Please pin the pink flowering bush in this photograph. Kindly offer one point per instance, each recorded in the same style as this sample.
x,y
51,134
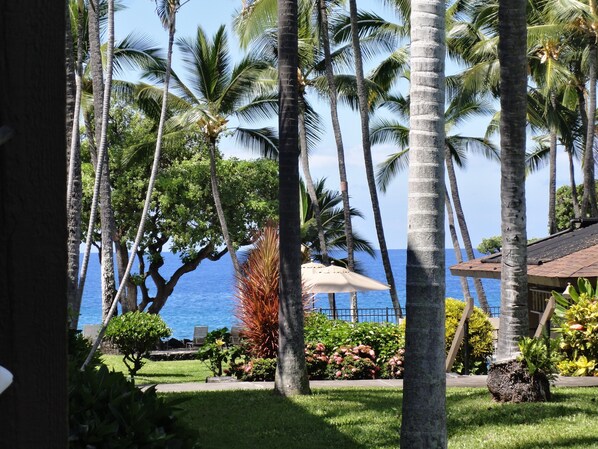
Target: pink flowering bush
x,y
357,362
395,366
256,369
316,360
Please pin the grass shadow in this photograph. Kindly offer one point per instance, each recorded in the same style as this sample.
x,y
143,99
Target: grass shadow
x,y
260,419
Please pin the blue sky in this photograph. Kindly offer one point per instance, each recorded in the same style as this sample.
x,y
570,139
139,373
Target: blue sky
x,y
479,183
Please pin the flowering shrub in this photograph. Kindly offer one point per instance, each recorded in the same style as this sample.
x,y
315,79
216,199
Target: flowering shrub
x,y
254,370
358,362
316,360
384,338
217,350
395,367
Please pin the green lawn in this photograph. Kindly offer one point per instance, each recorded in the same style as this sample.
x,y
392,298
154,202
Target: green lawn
x,y
369,418
177,371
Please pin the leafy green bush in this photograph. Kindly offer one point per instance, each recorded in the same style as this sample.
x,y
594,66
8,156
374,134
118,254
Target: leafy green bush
x,y
358,362
107,411
135,334
384,338
539,355
579,329
217,350
480,336
78,349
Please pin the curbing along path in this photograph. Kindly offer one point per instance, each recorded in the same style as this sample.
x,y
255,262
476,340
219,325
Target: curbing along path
x,y
452,381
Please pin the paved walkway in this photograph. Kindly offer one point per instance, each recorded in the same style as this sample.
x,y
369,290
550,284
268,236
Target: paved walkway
x,y
452,381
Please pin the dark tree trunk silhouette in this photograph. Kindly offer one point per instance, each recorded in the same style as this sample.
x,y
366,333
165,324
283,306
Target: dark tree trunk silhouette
x,y
33,302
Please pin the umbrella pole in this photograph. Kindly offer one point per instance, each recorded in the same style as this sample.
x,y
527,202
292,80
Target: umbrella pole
x,y
333,301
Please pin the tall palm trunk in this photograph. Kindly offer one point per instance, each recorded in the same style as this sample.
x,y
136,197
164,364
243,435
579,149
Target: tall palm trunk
x,y
101,95
514,319
552,175
452,177
457,248
588,202
171,21
74,187
362,96
574,199
340,150
219,209
552,185
291,374
309,185
424,405
313,196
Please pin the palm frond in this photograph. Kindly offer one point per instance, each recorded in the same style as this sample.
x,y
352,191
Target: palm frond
x,y
263,141
388,169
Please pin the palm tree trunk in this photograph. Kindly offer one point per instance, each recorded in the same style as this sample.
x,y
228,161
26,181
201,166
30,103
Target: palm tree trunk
x,y
450,169
309,185
455,239
344,185
552,176
552,185
150,187
514,319
588,202
219,209
74,186
424,404
362,96
291,374
102,183
313,196
574,199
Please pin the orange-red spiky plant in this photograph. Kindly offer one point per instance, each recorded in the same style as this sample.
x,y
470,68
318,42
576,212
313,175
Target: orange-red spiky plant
x,y
257,293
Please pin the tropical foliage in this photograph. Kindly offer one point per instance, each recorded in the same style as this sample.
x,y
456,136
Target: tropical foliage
x,y
579,329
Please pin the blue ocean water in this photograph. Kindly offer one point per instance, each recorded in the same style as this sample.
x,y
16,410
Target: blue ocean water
x,y
206,296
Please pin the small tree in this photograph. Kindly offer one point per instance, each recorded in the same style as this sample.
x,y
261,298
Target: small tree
x,y
135,334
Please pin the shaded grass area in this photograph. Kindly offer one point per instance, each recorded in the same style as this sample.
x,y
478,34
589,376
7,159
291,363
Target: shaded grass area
x,y
370,418
175,371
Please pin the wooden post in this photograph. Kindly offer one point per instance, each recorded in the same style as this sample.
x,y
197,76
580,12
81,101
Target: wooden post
x,y
548,312
459,334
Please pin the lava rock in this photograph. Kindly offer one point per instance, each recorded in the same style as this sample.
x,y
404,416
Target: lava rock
x,y
511,382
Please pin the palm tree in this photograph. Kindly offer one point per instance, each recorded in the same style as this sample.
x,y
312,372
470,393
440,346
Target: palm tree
x,y
291,373
461,108
167,10
514,320
362,95
332,220
74,70
259,17
216,93
424,411
102,85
